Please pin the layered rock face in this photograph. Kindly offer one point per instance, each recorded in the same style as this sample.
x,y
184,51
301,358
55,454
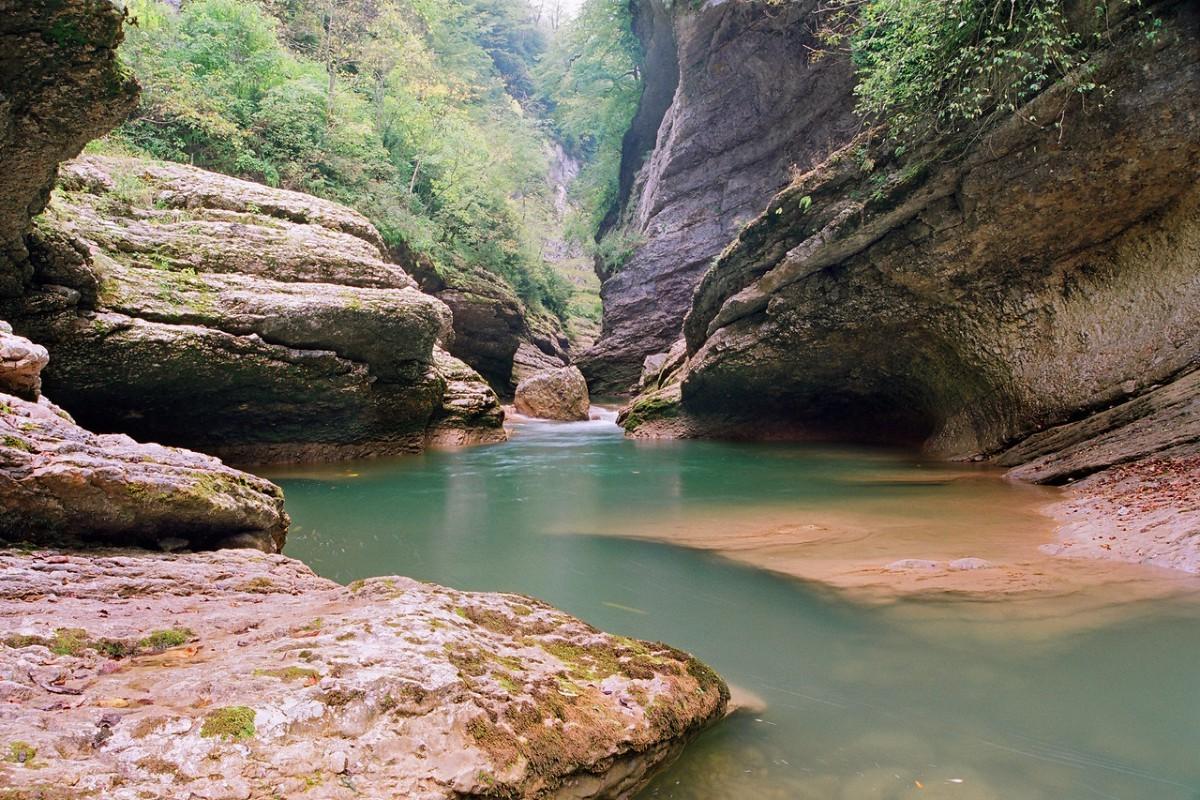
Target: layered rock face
x,y
494,331
751,104
58,61
560,394
260,324
967,305
61,483
240,675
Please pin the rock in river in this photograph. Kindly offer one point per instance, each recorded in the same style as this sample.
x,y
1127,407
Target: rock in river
x,y
63,483
254,323
560,394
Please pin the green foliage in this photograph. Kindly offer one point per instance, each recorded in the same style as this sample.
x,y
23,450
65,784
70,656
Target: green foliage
x,y
21,752
403,109
591,80
614,250
165,639
934,68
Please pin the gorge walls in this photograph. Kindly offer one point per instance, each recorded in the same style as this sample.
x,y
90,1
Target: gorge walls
x,y
969,304
58,62
735,101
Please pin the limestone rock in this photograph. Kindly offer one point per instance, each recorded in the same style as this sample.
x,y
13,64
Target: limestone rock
x,y
970,563
560,394
529,360
258,324
733,103
21,364
494,331
59,482
1144,512
1165,418
966,305
58,63
235,674
471,412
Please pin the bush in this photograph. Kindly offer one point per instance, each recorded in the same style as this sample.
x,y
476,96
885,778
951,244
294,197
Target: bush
x,y
935,68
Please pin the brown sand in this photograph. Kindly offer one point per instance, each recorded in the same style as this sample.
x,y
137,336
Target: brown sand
x,y
982,538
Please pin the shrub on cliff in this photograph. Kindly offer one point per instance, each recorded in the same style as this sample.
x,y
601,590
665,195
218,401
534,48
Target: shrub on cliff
x,y
935,68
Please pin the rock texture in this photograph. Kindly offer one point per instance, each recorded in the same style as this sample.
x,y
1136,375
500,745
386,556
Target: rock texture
x,y
470,412
748,105
59,482
494,331
242,675
1143,512
967,305
560,394
58,62
21,364
259,324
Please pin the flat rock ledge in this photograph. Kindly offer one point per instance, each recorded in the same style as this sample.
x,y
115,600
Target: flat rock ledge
x,y
62,483
237,674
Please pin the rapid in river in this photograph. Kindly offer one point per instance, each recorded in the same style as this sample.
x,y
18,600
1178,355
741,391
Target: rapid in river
x,y
1025,680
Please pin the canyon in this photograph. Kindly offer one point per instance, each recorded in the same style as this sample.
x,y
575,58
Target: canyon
x,y
1024,301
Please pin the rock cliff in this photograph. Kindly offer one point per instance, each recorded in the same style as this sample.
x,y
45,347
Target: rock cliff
x,y
242,675
734,102
494,331
260,324
969,304
1034,300
58,62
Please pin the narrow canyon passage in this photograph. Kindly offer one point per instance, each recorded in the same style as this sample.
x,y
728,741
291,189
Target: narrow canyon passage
x,y
1066,681
599,399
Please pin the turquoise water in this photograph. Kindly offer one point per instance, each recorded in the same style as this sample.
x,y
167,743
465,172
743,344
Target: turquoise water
x,y
932,699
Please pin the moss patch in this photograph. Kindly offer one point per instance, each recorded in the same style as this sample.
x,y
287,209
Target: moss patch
x,y
290,674
230,722
17,443
20,752
165,639
258,585
648,408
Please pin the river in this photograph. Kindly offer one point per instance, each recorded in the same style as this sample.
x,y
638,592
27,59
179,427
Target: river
x,y
1050,687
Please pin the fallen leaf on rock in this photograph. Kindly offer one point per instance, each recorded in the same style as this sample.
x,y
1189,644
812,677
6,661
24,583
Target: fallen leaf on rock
x,y
113,702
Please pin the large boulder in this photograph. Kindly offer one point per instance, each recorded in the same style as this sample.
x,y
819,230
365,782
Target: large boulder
x,y
61,483
560,394
255,323
58,65
21,364
235,674
470,412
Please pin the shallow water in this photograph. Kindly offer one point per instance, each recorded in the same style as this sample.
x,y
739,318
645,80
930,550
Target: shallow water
x,y
926,696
